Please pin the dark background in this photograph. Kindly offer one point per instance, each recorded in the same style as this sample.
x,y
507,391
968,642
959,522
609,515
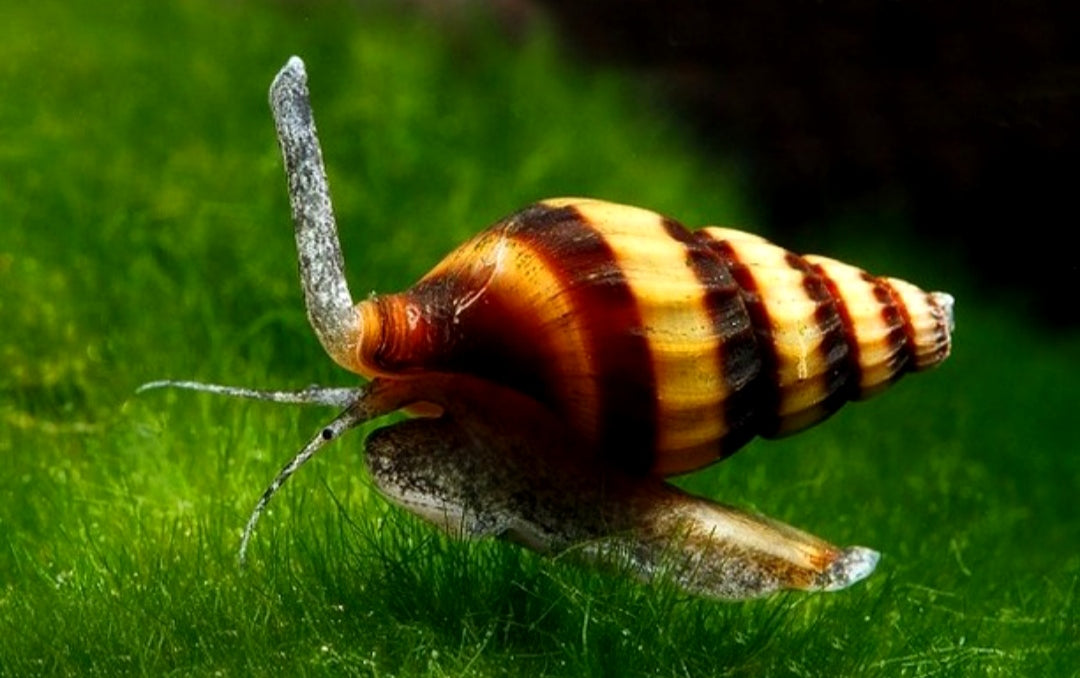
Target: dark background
x,y
960,116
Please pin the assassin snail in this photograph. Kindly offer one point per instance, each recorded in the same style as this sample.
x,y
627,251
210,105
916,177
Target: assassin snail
x,y
566,360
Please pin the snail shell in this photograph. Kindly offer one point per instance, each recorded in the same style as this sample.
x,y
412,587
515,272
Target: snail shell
x,y
662,349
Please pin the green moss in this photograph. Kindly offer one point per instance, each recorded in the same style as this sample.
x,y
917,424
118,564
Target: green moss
x,y
146,235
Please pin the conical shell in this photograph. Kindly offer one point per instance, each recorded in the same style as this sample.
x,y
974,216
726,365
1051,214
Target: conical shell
x,y
662,348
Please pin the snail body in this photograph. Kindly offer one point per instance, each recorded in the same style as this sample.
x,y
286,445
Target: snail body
x,y
564,361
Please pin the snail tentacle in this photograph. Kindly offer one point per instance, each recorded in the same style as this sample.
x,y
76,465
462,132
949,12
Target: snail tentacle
x,y
373,400
329,396
348,419
361,404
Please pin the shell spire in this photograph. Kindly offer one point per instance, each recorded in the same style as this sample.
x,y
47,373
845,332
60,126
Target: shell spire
x,y
828,332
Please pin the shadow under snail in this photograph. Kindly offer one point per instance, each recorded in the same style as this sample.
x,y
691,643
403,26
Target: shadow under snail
x,y
564,361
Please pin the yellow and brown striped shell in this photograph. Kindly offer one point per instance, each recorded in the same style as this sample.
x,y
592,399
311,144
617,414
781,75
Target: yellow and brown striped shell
x,y
662,348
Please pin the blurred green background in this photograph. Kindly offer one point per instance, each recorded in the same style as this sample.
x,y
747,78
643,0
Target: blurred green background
x,y
144,234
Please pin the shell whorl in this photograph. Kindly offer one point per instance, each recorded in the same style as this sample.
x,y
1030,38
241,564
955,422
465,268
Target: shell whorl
x,y
663,348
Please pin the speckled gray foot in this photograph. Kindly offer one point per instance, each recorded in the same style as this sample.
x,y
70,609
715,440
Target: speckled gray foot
x,y
479,477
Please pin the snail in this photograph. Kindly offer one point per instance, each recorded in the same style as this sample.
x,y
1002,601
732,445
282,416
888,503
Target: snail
x,y
565,361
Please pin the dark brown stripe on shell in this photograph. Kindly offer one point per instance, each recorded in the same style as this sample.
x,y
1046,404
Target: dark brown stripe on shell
x,y
835,347
854,365
601,295
739,357
895,315
756,404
